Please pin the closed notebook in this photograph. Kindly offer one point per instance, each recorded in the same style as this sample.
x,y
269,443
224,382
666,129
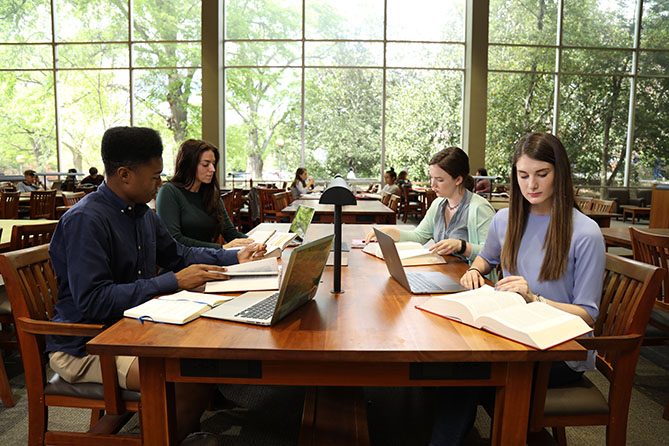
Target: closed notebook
x,y
178,308
411,253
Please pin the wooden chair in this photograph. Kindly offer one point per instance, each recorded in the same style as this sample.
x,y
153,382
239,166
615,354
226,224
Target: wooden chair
x,y
659,206
9,205
385,198
237,205
280,201
228,203
394,203
654,250
43,204
428,198
410,204
25,236
31,286
267,210
7,341
70,199
603,206
630,288
583,203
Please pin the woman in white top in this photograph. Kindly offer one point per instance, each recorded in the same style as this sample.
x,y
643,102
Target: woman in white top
x,y
390,187
299,185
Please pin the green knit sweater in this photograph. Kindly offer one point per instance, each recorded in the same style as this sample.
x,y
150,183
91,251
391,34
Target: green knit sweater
x,y
185,218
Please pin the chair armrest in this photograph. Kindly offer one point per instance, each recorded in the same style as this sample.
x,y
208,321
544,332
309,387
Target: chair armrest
x,y
34,326
619,343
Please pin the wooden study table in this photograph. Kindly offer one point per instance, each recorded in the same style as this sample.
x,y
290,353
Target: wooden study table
x,y
621,236
365,211
371,335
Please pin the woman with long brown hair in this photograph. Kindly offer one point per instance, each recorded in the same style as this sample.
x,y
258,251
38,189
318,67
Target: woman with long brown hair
x,y
190,203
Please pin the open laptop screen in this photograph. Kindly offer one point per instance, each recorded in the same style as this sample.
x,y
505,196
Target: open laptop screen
x,y
302,220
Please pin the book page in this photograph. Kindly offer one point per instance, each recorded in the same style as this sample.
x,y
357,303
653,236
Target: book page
x,y
168,311
257,267
242,284
485,300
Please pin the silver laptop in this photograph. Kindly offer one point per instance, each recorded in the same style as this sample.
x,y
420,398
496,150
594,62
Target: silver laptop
x,y
300,282
421,282
300,224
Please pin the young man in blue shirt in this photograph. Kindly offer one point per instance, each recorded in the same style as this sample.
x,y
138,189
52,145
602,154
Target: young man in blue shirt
x,y
105,251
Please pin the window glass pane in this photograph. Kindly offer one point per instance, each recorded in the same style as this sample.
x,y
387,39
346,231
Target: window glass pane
x,y
436,20
263,19
263,53
25,21
650,157
167,54
529,22
599,23
91,21
655,24
521,58
169,101
654,62
517,104
89,103
343,122
262,105
364,54
423,116
593,125
597,61
166,20
103,55
25,56
425,55
344,19
27,121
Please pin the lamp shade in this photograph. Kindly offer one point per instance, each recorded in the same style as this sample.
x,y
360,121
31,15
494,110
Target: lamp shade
x,y
337,192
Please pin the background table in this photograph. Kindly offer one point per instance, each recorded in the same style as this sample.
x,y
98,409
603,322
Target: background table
x,y
621,236
372,335
367,211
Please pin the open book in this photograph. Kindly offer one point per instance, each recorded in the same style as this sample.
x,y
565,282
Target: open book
x,y
264,267
243,284
506,314
178,308
411,253
276,243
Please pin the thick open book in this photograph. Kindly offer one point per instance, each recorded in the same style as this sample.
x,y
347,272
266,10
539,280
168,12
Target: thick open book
x,y
178,308
276,243
242,284
264,267
507,314
411,253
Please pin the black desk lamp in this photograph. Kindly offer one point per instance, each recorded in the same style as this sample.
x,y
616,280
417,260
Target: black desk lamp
x,y
339,194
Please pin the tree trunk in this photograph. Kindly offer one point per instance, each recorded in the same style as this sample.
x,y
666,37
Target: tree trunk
x,y
255,164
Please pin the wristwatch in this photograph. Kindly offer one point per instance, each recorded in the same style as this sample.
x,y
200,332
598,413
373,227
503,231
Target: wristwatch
x,y
463,247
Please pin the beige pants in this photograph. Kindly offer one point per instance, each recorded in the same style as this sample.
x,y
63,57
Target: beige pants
x,y
75,369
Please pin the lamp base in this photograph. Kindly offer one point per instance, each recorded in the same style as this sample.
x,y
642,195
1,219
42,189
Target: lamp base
x,y
337,292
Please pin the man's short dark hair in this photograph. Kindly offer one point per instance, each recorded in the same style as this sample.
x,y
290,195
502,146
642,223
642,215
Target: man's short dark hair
x,y
93,171
129,147
29,173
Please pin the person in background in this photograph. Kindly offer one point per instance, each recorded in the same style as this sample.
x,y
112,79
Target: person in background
x,y
482,184
403,179
457,219
390,186
31,182
299,185
70,181
105,251
190,203
93,177
549,252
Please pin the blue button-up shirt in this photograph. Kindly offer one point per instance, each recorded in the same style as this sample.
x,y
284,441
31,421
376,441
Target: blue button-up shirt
x,y
104,253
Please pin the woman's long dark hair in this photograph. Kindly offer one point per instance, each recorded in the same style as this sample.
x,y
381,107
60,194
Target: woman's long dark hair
x,y
185,173
542,147
455,162
298,172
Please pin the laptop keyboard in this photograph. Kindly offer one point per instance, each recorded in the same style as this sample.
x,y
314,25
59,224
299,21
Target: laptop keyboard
x,y
418,282
260,310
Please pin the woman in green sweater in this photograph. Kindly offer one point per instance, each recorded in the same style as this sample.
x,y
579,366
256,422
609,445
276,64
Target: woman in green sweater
x,y
457,219
190,203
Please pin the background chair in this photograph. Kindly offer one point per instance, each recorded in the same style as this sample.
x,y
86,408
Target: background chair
x,y
394,203
69,200
24,236
267,210
43,204
8,341
280,201
603,206
31,286
9,205
385,199
85,188
659,206
583,203
227,198
410,204
630,288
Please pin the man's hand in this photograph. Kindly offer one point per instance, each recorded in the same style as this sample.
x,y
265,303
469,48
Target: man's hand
x,y
197,275
251,252
238,242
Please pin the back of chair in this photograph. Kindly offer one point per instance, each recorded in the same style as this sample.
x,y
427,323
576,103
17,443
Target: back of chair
x,y
654,250
43,204
280,200
267,210
72,198
430,195
9,205
228,202
394,202
385,199
659,206
583,203
25,236
604,206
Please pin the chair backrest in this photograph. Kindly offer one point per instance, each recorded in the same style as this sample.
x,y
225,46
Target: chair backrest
x,y
394,202
430,195
654,250
72,198
228,199
602,205
267,210
583,203
25,236
659,206
43,204
385,199
281,200
9,204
